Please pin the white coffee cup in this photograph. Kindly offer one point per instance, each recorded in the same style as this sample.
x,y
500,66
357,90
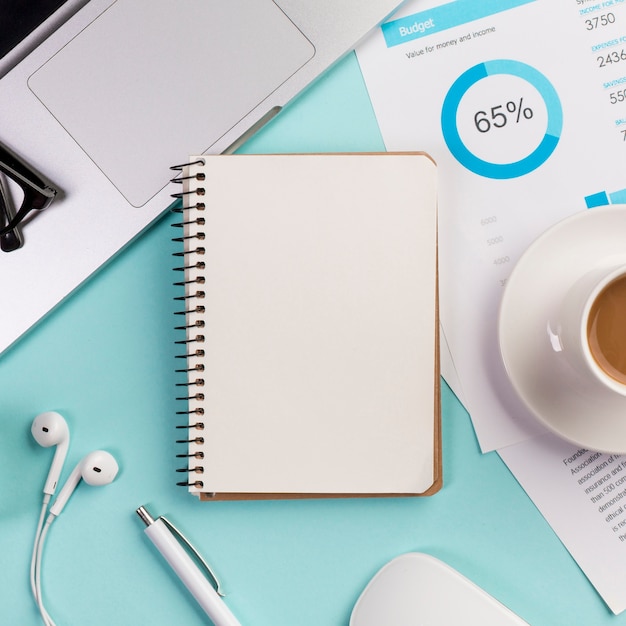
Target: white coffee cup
x,y
590,329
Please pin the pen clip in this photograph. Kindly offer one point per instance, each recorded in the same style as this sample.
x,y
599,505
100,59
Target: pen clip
x,y
212,577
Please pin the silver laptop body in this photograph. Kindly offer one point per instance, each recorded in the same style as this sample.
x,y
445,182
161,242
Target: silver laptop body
x,y
119,91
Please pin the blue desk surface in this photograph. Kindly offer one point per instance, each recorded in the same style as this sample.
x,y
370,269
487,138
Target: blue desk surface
x,y
104,359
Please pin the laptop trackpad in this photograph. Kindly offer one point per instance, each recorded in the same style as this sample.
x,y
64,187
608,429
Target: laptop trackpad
x,y
149,83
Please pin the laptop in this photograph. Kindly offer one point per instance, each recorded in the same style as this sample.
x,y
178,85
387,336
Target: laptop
x,y
101,97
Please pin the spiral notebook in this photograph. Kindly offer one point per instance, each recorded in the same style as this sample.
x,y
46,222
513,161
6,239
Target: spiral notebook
x,y
310,328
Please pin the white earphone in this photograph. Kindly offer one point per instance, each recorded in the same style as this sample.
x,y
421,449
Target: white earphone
x,y
97,468
50,429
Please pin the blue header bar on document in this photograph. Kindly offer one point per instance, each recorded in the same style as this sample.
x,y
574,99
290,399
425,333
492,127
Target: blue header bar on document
x,y
443,17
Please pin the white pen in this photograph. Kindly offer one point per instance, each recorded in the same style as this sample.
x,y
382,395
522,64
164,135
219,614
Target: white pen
x,y
167,539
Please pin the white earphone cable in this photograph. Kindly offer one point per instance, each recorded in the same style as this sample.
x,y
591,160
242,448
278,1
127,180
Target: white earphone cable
x,y
45,616
97,468
33,560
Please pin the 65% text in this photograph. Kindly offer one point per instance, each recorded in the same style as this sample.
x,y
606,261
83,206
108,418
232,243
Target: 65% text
x,y
500,114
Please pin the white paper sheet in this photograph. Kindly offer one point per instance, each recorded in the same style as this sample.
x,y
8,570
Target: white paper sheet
x,y
589,514
522,105
522,91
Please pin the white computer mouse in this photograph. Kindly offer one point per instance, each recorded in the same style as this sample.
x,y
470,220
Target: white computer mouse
x,y
418,589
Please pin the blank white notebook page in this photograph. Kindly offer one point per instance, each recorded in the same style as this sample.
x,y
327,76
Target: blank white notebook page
x,y
319,335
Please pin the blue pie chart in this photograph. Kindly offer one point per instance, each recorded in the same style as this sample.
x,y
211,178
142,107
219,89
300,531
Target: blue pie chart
x,y
530,162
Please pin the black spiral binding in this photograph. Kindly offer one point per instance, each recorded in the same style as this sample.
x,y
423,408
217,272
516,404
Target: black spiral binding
x,y
192,300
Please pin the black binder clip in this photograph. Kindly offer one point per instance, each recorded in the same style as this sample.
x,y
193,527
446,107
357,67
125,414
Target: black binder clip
x,y
37,195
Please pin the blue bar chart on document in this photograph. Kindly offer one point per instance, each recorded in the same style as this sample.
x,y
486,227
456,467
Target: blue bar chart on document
x,y
522,103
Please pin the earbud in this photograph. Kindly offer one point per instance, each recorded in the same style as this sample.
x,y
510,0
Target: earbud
x,y
97,468
50,429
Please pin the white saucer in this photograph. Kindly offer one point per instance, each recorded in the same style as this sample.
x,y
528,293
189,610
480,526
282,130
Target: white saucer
x,y
546,383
